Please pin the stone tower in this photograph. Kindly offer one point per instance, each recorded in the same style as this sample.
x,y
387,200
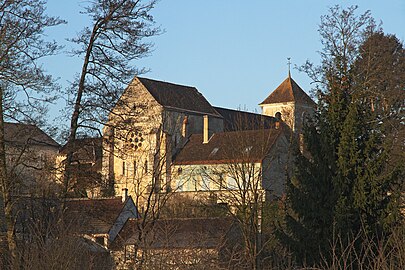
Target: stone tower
x,y
289,103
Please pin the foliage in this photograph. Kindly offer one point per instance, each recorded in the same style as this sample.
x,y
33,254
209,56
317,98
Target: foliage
x,y
380,83
343,186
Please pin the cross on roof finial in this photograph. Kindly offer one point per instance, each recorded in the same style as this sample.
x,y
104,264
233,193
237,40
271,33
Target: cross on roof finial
x,y
289,66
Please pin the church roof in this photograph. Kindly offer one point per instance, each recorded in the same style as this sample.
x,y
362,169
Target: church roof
x,y
180,97
225,147
22,134
235,120
288,91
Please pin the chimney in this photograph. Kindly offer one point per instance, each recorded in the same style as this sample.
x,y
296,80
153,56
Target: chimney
x,y
205,130
124,194
184,127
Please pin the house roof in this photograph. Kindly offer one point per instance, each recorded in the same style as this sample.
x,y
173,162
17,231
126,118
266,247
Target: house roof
x,y
235,120
225,147
176,233
18,133
93,216
181,97
86,162
288,91
85,149
81,143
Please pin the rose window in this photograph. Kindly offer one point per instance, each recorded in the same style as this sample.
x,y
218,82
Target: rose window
x,y
134,140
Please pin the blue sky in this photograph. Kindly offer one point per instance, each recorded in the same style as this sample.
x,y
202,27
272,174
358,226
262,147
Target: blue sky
x,y
235,52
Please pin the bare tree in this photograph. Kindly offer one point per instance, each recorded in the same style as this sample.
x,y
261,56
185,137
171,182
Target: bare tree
x,y
141,151
254,177
180,243
23,84
241,170
48,239
108,48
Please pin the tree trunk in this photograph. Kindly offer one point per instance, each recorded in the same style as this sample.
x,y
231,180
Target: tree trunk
x,y
74,123
6,190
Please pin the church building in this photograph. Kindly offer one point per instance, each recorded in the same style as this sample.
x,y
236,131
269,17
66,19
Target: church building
x,y
163,137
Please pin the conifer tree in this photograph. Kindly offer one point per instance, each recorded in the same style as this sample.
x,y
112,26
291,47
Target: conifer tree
x,y
310,195
341,188
381,83
361,184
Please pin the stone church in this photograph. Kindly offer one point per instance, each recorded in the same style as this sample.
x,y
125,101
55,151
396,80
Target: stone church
x,y
163,137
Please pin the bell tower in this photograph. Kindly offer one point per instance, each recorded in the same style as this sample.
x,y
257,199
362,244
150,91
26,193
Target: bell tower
x,y
290,103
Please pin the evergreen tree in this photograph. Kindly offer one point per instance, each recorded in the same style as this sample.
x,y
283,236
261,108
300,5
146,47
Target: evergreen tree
x,y
310,196
341,188
381,83
361,185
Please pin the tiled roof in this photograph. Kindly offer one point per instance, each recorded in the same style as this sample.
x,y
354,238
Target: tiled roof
x,y
235,120
93,216
288,91
176,233
85,149
225,147
18,133
174,96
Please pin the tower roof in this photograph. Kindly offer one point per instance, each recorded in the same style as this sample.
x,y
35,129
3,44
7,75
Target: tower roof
x,y
288,91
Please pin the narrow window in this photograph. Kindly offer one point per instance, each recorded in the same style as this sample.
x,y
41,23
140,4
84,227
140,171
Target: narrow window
x,y
134,169
123,168
145,166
